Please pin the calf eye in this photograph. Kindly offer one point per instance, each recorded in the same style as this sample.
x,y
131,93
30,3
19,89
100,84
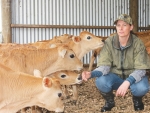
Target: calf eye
x,y
103,40
63,76
59,94
72,56
88,37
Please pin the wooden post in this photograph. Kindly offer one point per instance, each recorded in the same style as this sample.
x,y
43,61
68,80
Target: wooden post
x,y
134,13
6,20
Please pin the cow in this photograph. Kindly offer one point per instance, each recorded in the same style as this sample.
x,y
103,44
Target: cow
x,y
19,90
144,36
84,43
47,61
63,38
43,44
55,41
81,44
27,59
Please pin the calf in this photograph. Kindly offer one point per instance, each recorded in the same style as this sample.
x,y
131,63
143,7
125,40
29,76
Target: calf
x,y
63,38
144,36
84,43
81,44
27,58
57,40
19,90
47,61
46,43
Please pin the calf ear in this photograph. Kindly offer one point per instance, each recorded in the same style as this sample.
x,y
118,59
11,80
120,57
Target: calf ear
x,y
76,39
37,73
70,36
62,52
47,82
52,46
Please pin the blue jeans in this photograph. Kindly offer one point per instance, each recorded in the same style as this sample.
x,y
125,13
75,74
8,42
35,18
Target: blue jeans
x,y
111,81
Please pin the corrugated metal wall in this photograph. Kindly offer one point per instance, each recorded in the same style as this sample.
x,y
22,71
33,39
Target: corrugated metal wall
x,y
69,12
144,13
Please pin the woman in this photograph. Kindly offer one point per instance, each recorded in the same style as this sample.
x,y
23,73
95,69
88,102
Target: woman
x,y
122,64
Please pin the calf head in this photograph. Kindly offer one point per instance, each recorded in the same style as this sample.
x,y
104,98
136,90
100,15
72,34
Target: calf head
x,y
68,59
90,41
50,98
67,77
85,42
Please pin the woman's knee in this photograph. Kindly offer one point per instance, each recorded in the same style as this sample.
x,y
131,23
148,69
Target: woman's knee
x,y
102,84
139,90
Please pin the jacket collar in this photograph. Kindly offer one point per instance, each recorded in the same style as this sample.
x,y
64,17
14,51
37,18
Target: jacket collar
x,y
116,43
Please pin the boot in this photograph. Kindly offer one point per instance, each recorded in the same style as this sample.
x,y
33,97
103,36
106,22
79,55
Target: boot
x,y
138,104
109,101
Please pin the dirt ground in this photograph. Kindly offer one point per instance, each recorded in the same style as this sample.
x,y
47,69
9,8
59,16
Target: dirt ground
x,y
90,101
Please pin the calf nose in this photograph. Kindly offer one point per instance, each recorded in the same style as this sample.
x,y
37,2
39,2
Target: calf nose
x,y
59,94
80,77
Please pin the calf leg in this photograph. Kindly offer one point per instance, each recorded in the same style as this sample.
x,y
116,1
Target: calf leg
x,y
93,57
65,93
38,109
23,110
33,109
75,93
91,62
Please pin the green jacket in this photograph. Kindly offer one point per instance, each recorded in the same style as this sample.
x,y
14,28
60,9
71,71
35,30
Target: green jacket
x,y
124,62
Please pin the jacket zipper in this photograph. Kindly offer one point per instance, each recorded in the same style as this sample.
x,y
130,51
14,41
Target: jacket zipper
x,y
122,51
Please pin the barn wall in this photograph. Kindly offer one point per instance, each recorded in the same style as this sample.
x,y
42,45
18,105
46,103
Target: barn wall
x,y
144,13
69,12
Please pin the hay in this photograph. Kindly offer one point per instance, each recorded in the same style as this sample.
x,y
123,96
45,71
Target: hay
x,y
90,101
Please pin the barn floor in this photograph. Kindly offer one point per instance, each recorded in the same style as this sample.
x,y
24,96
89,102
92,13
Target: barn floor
x,y
90,101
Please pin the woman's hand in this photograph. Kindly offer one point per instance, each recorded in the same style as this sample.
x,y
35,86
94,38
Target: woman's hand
x,y
86,75
122,90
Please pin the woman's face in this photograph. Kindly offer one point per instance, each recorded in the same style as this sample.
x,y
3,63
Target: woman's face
x,y
123,28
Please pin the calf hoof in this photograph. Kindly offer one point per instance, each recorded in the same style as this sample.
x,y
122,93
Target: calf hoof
x,y
74,102
67,97
39,110
59,112
34,111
